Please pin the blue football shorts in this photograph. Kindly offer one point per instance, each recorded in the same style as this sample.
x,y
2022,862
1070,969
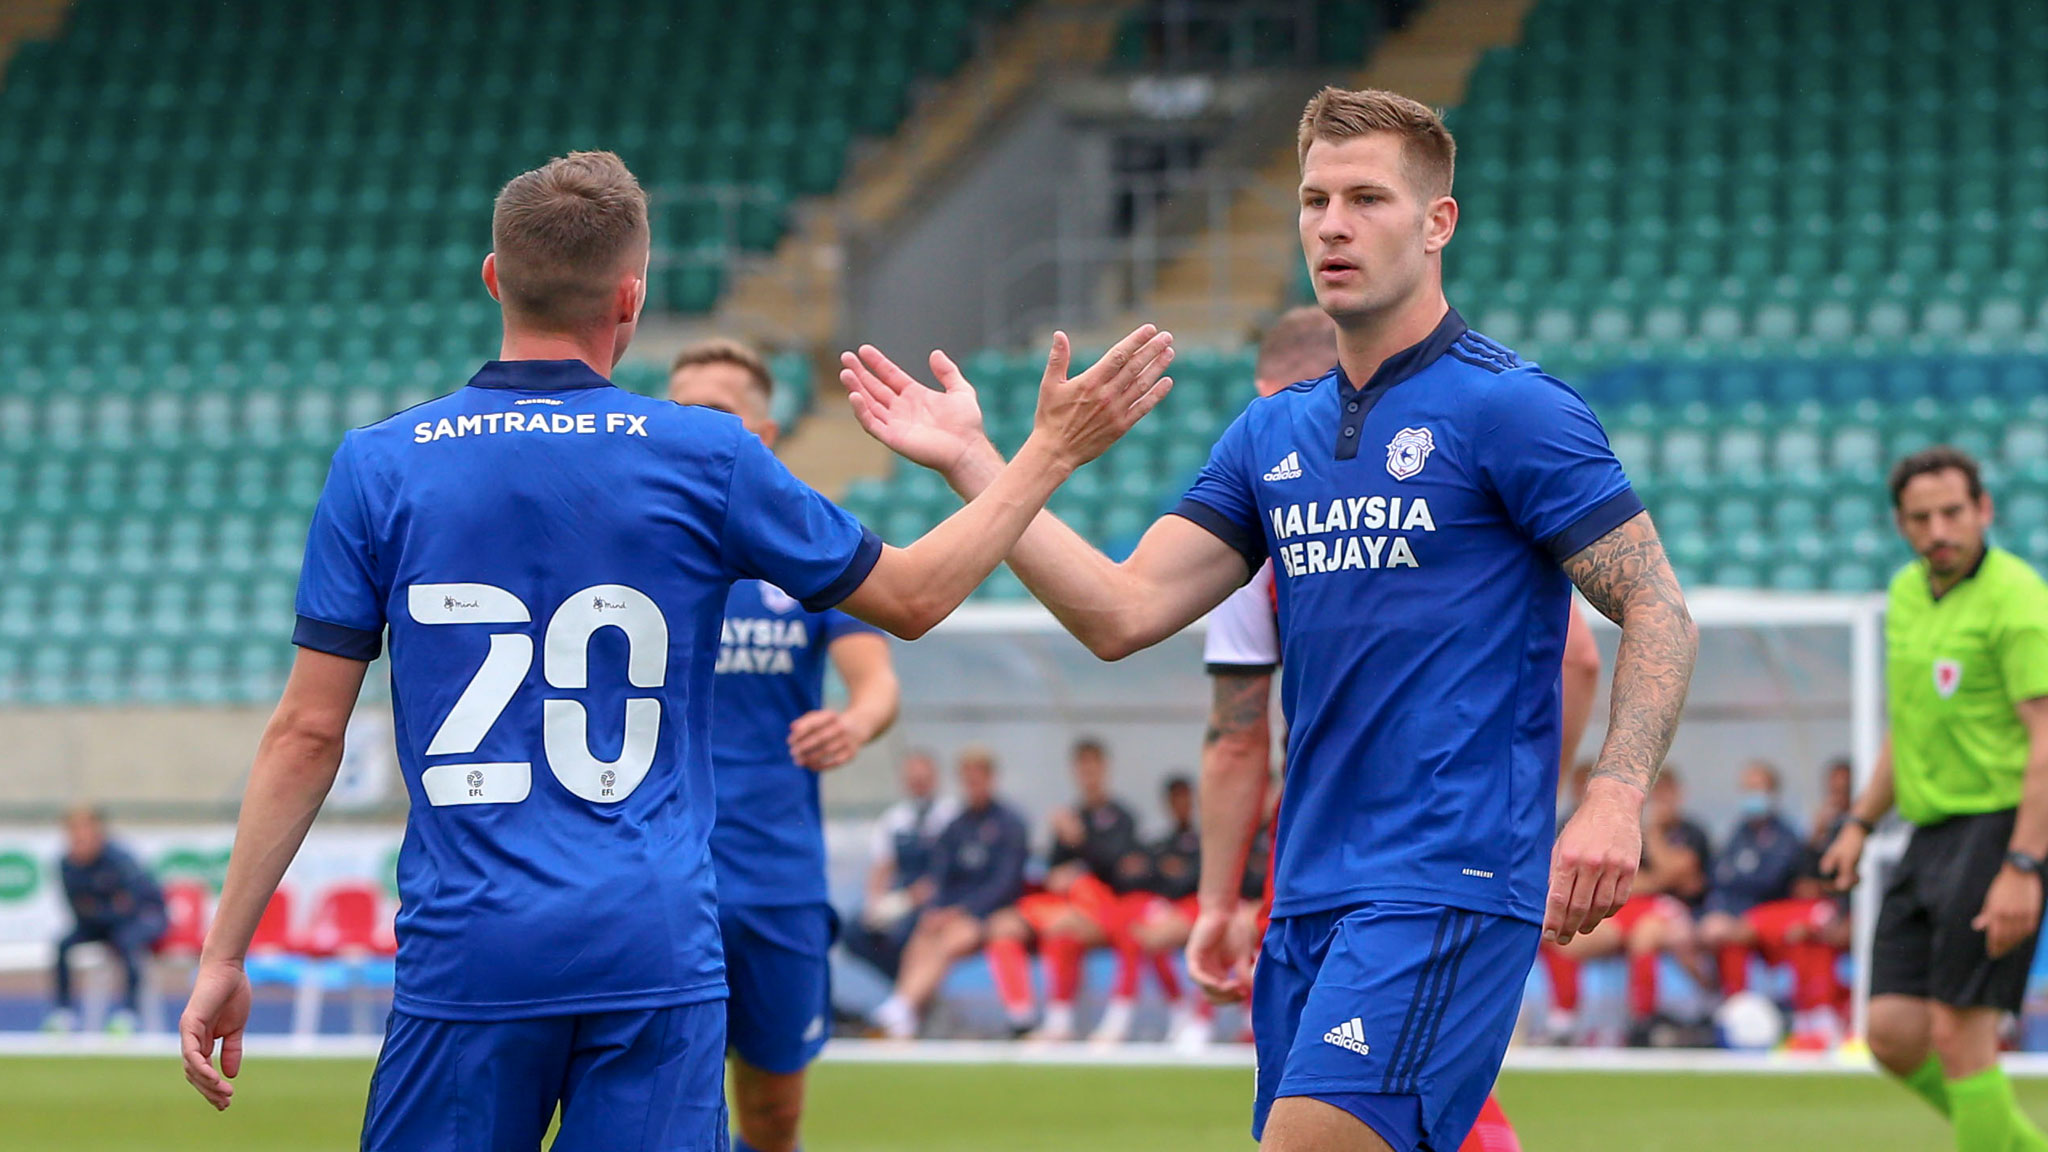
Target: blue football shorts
x,y
779,1009
1398,1013
649,1080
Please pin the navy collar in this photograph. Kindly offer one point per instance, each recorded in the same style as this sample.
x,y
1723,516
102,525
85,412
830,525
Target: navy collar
x,y
537,375
1412,359
1354,403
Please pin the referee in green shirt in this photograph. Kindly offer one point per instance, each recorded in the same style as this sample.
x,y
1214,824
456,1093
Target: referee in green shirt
x,y
1966,762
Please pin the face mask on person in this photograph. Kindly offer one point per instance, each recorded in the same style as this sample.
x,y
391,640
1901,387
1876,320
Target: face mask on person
x,y
1756,804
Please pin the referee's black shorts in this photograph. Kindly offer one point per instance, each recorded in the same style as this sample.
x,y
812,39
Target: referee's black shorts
x,y
1924,944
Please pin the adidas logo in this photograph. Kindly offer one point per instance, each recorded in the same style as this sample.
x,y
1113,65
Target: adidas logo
x,y
1287,469
1350,1034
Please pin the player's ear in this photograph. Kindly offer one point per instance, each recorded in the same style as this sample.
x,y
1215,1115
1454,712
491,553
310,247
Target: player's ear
x,y
1440,220
769,430
491,276
632,297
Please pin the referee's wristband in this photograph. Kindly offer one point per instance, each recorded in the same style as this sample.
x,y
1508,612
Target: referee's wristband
x,y
1868,826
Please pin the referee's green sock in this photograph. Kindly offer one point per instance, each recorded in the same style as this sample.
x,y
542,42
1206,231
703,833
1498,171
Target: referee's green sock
x,y
1988,1118
1927,1083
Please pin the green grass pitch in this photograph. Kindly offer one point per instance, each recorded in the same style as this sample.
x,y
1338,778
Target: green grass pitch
x,y
79,1104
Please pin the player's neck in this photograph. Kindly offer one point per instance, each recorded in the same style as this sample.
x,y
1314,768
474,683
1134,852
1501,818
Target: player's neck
x,y
1366,342
589,348
1940,585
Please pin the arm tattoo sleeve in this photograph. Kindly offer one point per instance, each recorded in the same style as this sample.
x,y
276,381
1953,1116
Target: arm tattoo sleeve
x,y
1626,576
1239,703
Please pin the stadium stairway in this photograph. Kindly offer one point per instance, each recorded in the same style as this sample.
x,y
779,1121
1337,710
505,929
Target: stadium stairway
x,y
795,297
1431,58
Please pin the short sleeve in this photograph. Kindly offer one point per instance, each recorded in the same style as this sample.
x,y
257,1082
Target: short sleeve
x,y
1244,630
1547,458
1221,499
836,624
779,529
2023,645
340,604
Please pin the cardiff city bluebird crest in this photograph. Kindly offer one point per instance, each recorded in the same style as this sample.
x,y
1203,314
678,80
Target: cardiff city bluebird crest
x,y
1407,451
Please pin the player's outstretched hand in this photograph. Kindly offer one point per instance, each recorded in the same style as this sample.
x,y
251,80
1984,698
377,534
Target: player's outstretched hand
x,y
937,428
1593,867
822,740
2011,913
1844,856
217,1013
1219,957
1083,415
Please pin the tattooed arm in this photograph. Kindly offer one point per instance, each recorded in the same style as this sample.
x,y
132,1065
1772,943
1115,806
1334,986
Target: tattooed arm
x,y
1236,764
1626,576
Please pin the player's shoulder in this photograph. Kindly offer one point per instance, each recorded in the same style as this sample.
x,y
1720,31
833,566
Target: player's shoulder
x,y
1901,585
2016,578
1489,367
1296,394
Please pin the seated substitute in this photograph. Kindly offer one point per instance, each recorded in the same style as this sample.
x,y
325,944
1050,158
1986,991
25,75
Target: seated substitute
x,y
115,902
977,871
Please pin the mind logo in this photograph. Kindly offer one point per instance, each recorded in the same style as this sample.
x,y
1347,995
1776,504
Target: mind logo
x,y
1408,451
1948,676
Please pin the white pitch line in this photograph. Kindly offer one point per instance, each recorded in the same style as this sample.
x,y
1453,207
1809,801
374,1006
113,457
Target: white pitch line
x,y
1610,1061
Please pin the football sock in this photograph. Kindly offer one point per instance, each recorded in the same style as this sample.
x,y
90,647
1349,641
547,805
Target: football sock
x,y
1927,1082
1642,985
1169,979
1814,983
1987,1118
1129,968
1062,956
1491,1132
1734,968
1564,979
1011,970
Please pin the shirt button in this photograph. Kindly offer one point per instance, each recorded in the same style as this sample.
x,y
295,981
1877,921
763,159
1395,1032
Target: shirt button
x,y
1350,432
1351,407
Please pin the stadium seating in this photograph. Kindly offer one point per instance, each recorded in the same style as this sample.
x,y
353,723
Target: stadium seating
x,y
1671,179
236,229
1227,36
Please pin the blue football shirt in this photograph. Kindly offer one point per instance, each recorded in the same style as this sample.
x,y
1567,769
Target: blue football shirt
x,y
768,845
1416,526
551,556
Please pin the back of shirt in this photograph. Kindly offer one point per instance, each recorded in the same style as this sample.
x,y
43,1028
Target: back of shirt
x,y
551,556
768,845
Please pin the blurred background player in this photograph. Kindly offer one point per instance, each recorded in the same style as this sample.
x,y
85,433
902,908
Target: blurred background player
x,y
1094,862
114,902
901,857
977,871
1159,930
773,736
559,926
1396,862
1763,902
1966,762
